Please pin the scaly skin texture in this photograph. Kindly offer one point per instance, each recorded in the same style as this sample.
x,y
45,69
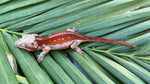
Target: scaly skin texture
x,y
59,40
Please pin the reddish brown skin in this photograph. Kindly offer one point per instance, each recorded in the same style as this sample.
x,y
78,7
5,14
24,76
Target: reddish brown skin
x,y
70,36
57,39
61,40
31,49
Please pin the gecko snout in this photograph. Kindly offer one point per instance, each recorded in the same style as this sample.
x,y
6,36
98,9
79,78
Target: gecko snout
x,y
18,44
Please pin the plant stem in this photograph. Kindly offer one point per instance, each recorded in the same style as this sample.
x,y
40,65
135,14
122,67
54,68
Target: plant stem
x,y
124,55
11,32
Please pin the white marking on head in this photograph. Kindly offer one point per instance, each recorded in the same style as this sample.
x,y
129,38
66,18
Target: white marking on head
x,y
26,41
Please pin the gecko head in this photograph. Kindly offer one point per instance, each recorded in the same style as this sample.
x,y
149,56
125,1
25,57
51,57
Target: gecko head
x,y
27,40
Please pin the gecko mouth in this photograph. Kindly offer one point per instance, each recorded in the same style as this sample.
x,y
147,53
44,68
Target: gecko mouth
x,y
20,45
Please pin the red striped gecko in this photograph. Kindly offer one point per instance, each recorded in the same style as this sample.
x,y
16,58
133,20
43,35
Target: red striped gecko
x,y
59,40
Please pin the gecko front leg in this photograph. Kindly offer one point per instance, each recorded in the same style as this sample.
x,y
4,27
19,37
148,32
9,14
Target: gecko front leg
x,y
75,47
46,49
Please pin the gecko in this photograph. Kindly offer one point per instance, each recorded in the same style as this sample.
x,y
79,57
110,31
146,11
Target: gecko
x,y
60,40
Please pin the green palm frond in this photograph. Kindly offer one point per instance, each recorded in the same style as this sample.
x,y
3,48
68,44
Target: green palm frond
x,y
127,20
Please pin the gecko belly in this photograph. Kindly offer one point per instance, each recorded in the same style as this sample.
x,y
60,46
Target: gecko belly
x,y
61,46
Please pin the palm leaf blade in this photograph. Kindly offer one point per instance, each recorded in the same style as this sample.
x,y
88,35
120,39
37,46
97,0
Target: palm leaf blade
x,y
70,69
146,66
54,70
3,1
30,10
97,75
16,4
7,76
119,71
56,12
22,57
136,69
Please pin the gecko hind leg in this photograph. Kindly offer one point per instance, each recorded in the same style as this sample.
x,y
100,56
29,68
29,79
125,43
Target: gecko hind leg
x,y
73,29
42,54
75,47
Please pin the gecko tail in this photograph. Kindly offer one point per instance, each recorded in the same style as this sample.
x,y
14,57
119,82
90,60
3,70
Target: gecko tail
x,y
111,41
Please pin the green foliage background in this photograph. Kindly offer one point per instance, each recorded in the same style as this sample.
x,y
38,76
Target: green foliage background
x,y
101,63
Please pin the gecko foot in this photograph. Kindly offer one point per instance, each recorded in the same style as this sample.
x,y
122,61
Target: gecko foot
x,y
82,48
40,58
74,29
81,53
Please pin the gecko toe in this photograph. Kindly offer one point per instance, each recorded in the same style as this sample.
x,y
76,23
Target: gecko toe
x,y
74,29
39,59
82,48
81,53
